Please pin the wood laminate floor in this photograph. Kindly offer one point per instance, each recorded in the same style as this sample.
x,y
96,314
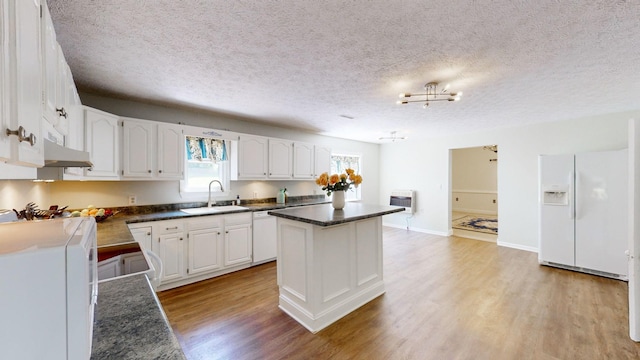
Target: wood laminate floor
x,y
446,298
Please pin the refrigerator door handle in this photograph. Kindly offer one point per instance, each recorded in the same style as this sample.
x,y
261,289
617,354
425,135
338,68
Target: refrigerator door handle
x,y
570,195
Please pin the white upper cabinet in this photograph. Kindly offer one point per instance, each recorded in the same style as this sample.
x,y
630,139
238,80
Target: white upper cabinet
x,y
280,164
57,81
49,68
261,158
170,150
62,85
101,136
22,83
322,161
252,157
5,142
137,149
75,136
152,150
303,158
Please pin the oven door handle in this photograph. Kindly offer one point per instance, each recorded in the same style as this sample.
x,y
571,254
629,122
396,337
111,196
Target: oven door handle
x,y
158,272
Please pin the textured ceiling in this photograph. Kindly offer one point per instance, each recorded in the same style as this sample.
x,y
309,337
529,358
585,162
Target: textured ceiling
x,y
303,64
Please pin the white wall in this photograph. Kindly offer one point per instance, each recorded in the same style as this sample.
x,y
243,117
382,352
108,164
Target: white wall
x,y
517,171
16,193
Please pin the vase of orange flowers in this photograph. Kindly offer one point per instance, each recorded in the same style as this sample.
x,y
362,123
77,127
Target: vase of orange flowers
x,y
337,184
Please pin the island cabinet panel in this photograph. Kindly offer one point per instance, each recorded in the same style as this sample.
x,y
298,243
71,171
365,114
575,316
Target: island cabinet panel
x,y
337,263
368,254
325,272
292,251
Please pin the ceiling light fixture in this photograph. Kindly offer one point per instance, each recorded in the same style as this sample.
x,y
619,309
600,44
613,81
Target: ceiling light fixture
x,y
393,137
431,94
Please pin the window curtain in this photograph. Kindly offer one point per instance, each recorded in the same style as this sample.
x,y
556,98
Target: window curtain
x,y
206,149
342,162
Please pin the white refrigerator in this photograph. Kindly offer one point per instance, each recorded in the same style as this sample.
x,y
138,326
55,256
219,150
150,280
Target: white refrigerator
x,y
583,212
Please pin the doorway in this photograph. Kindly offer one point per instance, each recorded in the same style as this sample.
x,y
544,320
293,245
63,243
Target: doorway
x,y
474,193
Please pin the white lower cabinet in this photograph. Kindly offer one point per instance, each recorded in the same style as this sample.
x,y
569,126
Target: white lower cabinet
x,y
142,234
109,269
205,244
237,239
265,237
197,248
170,249
134,263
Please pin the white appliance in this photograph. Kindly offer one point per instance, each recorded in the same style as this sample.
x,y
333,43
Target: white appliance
x,y
583,212
265,236
404,198
48,288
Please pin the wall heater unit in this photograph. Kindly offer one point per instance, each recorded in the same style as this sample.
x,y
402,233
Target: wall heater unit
x,y
404,198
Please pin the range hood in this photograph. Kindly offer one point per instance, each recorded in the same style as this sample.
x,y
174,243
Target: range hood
x,y
57,157
60,156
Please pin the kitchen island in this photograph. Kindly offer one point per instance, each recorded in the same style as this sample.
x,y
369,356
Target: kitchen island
x,y
329,261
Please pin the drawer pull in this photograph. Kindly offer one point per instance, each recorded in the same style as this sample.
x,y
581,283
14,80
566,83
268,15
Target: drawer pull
x,y
172,228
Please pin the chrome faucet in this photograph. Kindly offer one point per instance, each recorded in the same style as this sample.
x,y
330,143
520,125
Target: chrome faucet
x,y
210,203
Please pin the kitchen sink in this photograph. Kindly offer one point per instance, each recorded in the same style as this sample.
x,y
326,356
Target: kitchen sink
x,y
212,210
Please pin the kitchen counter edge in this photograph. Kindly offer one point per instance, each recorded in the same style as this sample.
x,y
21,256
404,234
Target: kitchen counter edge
x,y
326,215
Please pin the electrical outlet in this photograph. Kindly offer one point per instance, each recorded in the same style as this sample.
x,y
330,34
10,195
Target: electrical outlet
x,y
132,200
255,194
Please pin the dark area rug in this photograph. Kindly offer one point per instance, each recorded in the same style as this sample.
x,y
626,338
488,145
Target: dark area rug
x,y
485,224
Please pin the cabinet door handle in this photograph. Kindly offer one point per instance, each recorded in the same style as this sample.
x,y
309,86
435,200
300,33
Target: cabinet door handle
x,y
160,171
148,234
21,133
149,171
62,112
180,239
31,138
227,231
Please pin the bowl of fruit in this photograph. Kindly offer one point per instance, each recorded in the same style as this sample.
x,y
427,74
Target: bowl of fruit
x,y
99,214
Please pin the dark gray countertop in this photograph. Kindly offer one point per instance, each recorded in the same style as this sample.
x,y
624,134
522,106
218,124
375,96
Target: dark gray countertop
x,y
326,215
130,324
114,230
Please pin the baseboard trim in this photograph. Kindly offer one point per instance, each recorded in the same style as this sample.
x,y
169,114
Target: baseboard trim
x,y
420,230
517,246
